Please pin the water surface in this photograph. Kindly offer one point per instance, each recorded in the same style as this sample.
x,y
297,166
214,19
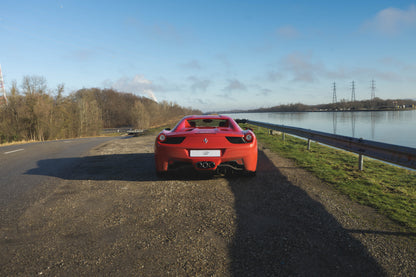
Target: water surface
x,y
394,127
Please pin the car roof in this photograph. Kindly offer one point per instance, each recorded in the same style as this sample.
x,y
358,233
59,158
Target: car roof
x,y
211,116
182,123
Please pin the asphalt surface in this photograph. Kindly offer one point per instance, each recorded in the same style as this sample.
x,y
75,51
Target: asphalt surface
x,y
17,161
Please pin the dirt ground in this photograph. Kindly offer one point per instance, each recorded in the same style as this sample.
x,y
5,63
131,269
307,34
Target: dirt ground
x,y
112,216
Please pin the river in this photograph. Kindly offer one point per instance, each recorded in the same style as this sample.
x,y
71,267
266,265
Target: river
x,y
394,127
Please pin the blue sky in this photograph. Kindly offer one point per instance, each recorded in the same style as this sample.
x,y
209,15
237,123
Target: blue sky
x,y
215,55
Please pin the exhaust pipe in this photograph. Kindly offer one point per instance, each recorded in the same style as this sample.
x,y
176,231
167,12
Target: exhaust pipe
x,y
205,165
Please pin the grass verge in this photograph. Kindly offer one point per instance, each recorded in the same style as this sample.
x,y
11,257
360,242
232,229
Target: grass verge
x,y
389,189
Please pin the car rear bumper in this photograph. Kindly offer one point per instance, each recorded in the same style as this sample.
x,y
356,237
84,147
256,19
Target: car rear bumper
x,y
242,155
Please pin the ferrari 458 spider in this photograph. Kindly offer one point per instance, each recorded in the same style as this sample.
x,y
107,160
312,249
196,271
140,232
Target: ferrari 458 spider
x,y
208,143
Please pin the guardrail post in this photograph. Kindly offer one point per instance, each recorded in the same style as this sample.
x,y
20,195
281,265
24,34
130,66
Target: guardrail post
x,y
283,136
309,144
360,162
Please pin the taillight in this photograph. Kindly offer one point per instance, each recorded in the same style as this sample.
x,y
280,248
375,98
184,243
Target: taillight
x,y
162,137
236,140
248,137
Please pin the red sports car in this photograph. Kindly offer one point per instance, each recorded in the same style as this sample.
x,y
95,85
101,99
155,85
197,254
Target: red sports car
x,y
208,143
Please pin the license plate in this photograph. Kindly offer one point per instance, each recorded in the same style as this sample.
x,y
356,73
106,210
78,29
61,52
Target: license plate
x,y
205,153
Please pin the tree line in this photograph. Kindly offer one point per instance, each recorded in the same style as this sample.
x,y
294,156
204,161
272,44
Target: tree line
x,y
35,112
344,105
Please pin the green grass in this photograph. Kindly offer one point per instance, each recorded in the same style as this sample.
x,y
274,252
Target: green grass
x,y
389,189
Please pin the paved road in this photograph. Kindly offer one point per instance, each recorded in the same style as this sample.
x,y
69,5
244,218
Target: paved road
x,y
73,209
17,161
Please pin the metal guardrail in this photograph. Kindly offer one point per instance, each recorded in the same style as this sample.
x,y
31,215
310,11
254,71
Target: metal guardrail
x,y
135,132
129,131
395,154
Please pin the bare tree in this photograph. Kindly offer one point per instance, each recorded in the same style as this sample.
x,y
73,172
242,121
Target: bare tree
x,y
34,85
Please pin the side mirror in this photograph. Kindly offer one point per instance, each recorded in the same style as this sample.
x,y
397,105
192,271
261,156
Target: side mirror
x,y
167,129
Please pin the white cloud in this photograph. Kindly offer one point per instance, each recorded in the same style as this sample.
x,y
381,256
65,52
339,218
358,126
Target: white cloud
x,y
264,92
224,60
392,21
288,32
192,65
234,84
198,84
165,31
273,76
302,67
395,63
160,31
137,85
83,55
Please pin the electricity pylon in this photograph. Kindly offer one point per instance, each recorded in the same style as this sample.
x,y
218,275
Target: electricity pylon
x,y
2,88
353,92
373,90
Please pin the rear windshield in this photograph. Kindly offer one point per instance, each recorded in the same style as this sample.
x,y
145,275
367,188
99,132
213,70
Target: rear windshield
x,y
207,123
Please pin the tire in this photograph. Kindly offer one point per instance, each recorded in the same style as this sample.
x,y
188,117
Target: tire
x,y
162,174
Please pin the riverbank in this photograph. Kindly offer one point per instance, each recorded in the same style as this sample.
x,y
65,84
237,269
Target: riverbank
x,y
375,104
384,109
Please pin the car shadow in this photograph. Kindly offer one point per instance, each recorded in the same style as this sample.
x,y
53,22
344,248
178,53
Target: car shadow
x,y
281,231
125,167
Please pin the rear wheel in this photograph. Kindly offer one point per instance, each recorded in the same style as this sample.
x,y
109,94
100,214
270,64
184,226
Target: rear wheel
x,y
162,174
